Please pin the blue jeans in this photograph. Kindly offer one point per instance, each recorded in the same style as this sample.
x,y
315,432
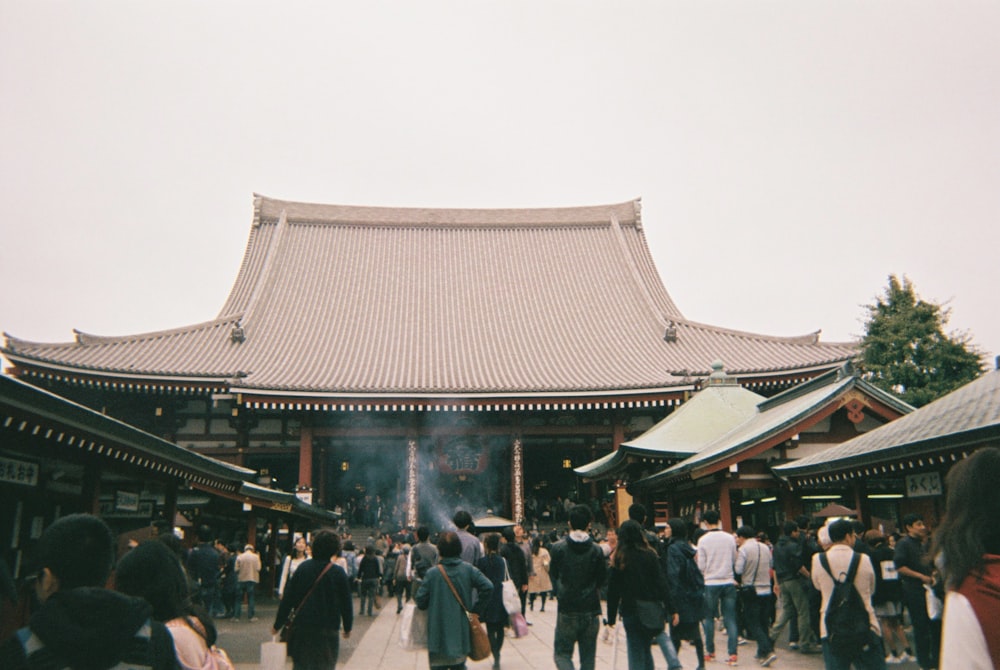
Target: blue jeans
x,y
250,589
726,594
578,629
869,658
210,599
369,588
637,642
668,649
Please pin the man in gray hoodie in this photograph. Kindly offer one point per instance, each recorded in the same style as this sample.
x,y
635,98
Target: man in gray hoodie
x,y
578,570
716,557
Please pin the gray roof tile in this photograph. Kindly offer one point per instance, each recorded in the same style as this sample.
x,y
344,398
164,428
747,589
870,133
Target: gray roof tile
x,y
365,300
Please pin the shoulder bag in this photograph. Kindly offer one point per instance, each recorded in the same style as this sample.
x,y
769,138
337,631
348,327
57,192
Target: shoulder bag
x,y
286,630
511,601
477,634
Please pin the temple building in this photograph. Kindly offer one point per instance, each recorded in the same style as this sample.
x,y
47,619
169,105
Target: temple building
x,y
398,363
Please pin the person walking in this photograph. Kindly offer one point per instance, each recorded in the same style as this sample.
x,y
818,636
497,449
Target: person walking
x,y
321,597
968,542
687,590
578,570
448,639
400,581
492,611
716,556
248,576
204,566
839,556
636,583
472,548
887,599
792,577
517,564
369,572
539,581
753,566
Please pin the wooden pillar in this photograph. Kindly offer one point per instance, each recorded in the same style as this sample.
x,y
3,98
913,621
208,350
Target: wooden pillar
x,y
725,507
305,457
861,503
623,500
517,480
91,494
170,504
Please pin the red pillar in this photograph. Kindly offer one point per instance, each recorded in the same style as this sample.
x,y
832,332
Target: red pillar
x,y
305,457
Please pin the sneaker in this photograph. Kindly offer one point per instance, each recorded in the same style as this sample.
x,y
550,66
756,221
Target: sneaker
x,y
809,649
731,661
709,658
740,641
893,660
794,646
768,660
253,618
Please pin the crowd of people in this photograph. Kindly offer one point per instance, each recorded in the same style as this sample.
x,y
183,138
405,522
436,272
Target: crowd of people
x,y
842,590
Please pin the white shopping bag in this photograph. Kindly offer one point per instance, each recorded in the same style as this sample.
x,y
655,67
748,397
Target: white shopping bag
x,y
413,628
273,654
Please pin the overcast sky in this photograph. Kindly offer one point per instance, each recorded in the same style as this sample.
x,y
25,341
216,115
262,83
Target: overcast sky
x,y
789,155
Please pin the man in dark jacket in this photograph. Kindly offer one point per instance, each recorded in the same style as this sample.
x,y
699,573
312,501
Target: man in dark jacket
x,y
578,570
516,563
794,584
80,624
204,565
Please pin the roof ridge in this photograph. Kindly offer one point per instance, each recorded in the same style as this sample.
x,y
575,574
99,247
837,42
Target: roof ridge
x,y
268,209
806,339
85,339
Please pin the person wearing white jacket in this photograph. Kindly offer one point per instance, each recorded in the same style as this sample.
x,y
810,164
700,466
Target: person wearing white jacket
x,y
716,557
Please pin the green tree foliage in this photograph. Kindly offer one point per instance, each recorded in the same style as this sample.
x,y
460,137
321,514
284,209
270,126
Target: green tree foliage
x,y
906,351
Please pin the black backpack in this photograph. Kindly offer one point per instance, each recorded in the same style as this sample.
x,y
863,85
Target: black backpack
x,y
848,629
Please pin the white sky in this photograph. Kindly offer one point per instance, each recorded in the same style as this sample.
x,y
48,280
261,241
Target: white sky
x,y
790,155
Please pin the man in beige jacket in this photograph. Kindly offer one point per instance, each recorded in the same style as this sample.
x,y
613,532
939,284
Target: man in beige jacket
x,y
248,575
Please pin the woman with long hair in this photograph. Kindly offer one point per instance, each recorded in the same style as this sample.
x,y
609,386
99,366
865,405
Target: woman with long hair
x,y
292,562
491,610
539,582
151,571
967,548
636,583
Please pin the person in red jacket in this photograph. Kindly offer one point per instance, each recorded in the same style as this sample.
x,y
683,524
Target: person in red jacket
x,y
968,546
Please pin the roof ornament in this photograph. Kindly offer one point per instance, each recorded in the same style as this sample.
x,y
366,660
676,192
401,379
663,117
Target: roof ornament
x,y
670,335
718,376
238,335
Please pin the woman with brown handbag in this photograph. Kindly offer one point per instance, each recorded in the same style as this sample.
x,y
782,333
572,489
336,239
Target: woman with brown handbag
x,y
447,595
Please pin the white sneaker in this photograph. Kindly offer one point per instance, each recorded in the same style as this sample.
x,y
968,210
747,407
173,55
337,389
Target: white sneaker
x,y
892,660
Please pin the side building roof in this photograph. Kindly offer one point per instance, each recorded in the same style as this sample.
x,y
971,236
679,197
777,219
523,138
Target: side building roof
x,y
773,419
366,301
966,417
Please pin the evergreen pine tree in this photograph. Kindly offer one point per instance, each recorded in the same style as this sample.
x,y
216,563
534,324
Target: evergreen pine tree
x,y
905,350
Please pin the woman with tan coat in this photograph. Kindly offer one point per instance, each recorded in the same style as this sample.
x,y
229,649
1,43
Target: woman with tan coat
x,y
539,582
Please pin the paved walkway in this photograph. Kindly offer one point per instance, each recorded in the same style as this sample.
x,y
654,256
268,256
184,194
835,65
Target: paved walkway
x,y
374,645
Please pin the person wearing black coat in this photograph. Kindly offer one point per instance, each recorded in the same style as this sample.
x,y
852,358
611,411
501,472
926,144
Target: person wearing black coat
x,y
635,579
517,564
687,588
314,642
491,610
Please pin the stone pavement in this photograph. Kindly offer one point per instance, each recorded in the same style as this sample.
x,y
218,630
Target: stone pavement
x,y
374,645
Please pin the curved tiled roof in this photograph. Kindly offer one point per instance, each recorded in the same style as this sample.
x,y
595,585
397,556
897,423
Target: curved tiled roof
x,y
367,300
966,416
